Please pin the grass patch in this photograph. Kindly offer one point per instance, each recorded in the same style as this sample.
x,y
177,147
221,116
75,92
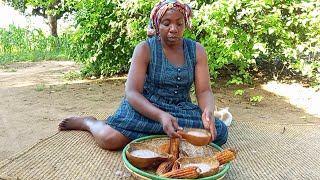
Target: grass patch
x,y
32,57
73,75
40,87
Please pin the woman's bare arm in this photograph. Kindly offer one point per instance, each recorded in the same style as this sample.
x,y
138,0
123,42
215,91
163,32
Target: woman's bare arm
x,y
203,89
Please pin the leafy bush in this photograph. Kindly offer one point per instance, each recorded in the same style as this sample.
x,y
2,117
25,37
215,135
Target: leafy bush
x,y
238,35
107,34
241,34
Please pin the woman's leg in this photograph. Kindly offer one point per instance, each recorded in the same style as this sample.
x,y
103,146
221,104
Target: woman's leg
x,y
105,136
222,133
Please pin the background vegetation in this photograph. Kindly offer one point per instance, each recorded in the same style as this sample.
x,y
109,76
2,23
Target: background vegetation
x,y
51,10
20,44
242,37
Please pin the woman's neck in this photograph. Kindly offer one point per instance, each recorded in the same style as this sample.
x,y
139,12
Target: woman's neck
x,y
169,46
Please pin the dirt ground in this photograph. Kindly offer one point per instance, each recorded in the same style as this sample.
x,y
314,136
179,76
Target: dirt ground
x,y
34,97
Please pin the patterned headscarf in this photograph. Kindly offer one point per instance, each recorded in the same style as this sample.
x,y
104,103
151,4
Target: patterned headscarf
x,y
161,8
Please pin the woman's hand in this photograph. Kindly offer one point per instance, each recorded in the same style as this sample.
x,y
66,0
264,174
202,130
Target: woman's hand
x,y
168,123
209,122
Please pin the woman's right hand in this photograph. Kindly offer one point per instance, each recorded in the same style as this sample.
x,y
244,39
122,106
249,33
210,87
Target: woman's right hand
x,y
169,124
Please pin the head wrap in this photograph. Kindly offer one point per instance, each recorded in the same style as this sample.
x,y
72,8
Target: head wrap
x,y
161,8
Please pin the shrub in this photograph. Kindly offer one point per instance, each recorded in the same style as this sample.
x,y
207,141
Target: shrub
x,y
239,35
107,34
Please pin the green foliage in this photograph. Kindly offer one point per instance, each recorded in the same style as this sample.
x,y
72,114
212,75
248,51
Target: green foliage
x,y
239,92
107,33
256,99
240,34
19,44
52,10
40,7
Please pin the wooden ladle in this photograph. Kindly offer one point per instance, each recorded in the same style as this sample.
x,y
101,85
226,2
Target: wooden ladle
x,y
196,137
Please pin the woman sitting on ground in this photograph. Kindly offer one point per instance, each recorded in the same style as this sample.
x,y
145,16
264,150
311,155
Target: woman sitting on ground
x,y
157,99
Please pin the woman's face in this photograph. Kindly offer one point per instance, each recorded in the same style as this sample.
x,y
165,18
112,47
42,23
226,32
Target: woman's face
x,y
172,26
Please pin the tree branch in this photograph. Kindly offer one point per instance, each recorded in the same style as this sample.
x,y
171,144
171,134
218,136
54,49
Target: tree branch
x,y
37,11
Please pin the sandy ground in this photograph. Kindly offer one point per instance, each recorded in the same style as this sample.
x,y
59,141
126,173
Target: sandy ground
x,y
34,97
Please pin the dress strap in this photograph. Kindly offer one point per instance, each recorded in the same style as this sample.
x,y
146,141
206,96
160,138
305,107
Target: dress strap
x,y
191,50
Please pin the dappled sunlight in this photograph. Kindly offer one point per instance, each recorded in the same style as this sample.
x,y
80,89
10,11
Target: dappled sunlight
x,y
297,95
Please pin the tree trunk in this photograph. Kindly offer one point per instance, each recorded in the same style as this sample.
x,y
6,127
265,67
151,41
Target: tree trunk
x,y
52,19
53,25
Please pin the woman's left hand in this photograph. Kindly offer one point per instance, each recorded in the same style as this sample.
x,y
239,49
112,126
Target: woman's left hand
x,y
209,122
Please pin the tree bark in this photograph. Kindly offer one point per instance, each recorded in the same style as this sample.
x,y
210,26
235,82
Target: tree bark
x,y
52,20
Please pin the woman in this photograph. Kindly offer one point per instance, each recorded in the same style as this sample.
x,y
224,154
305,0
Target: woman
x,y
157,99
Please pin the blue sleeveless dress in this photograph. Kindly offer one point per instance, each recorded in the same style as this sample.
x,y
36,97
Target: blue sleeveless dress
x,y
167,87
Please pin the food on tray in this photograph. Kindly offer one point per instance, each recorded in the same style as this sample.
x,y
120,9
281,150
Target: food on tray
x,y
142,155
198,133
191,172
208,166
177,163
175,166
164,148
196,137
166,166
226,155
183,153
174,148
203,167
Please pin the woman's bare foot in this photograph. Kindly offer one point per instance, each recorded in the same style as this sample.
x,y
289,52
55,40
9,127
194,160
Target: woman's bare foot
x,y
76,123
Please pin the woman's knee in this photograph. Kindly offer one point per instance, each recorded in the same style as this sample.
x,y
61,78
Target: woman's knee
x,y
112,140
222,133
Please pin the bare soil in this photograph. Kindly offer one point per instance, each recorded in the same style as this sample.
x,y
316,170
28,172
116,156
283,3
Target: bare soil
x,y
34,97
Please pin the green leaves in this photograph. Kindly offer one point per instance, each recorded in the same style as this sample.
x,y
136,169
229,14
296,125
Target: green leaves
x,y
256,99
107,33
239,92
41,7
237,34
242,33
